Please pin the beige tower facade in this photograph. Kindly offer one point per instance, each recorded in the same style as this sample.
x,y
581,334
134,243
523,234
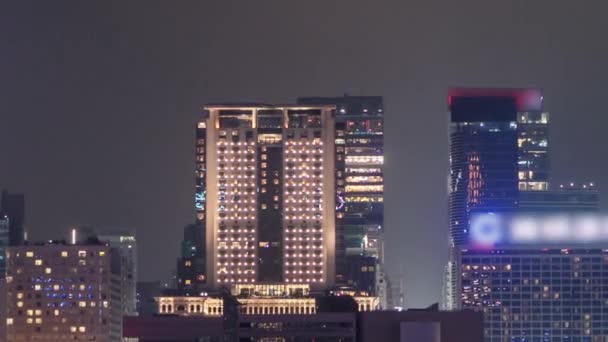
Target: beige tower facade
x,y
268,196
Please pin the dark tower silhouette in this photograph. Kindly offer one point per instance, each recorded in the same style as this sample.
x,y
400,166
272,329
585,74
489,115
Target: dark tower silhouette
x,y
13,206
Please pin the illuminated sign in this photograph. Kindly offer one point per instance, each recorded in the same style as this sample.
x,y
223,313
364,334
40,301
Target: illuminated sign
x,y
489,229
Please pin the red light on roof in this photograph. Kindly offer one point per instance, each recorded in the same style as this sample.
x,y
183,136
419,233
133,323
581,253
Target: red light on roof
x,y
525,98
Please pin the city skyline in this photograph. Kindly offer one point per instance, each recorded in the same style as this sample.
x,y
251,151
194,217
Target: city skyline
x,y
112,146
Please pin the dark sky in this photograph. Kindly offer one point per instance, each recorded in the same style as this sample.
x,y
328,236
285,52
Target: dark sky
x,y
98,100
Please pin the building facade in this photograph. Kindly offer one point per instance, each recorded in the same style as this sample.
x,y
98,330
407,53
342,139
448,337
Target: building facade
x,y
3,310
533,145
147,291
538,294
541,276
191,263
4,241
269,194
564,199
59,292
498,145
13,206
484,152
529,290
126,246
359,143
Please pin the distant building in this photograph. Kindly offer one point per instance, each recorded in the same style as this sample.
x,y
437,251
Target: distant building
x,y
533,162
191,277
126,245
3,309
59,292
359,143
13,206
485,152
4,240
146,293
396,294
567,199
498,148
261,299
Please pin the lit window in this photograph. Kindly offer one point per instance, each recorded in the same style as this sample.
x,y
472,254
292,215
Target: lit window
x,y
188,263
81,287
37,287
38,320
29,254
29,321
82,254
38,262
20,304
19,295
73,329
188,282
30,312
48,270
9,321
92,304
82,304
38,312
102,253
82,329
64,254
56,287
56,312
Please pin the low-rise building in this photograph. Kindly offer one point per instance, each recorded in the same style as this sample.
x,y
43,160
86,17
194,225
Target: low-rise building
x,y
60,292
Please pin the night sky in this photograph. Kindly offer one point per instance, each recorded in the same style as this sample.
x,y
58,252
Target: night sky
x,y
98,100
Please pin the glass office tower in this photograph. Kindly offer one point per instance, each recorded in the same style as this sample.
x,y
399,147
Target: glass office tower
x,y
484,152
359,190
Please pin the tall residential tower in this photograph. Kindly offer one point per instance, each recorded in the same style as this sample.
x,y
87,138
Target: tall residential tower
x,y
267,193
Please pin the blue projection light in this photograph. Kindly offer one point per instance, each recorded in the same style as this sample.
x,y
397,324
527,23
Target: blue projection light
x,y
489,229
486,230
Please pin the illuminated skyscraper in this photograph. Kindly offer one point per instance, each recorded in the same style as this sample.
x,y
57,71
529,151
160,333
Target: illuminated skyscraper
x,y
266,194
359,176
535,263
266,200
533,146
484,152
498,145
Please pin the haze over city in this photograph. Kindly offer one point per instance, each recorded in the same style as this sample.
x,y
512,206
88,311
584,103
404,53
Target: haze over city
x,y
100,102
